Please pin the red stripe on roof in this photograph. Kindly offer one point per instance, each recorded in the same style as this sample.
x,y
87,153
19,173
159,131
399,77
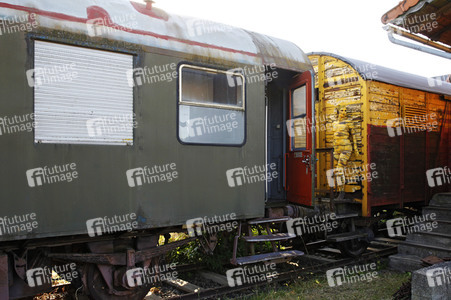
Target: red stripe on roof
x,y
96,11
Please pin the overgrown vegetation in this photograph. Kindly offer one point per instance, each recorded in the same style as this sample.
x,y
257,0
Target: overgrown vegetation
x,y
193,252
317,288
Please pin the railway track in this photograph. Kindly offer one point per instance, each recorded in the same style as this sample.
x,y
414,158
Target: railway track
x,y
316,262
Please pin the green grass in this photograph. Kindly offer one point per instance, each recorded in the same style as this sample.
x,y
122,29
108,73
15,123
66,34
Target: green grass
x,y
316,288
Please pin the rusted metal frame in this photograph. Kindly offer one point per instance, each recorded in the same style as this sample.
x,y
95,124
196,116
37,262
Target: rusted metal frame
x,y
82,239
120,259
107,272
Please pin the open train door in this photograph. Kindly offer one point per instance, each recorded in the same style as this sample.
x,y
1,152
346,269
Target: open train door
x,y
299,149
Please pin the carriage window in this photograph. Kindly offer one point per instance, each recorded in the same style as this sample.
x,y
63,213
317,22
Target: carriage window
x,y
211,106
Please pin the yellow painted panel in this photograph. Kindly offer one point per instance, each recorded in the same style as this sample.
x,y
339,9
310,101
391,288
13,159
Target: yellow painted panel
x,y
383,107
377,98
413,97
381,88
383,103
339,85
380,118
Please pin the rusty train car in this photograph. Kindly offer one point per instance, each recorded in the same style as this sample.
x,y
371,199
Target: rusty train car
x,y
402,126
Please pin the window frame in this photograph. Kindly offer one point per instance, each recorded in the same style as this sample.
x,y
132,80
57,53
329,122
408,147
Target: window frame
x,y
180,102
32,38
212,105
293,117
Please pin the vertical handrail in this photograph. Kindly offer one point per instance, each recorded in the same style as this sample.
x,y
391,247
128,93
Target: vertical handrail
x,y
331,189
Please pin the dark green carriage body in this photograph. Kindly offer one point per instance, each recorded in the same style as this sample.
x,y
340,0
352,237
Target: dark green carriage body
x,y
101,188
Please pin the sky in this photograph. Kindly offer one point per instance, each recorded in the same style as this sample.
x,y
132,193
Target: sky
x,y
351,28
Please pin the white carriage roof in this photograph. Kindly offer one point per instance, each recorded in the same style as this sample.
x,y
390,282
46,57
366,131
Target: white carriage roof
x,y
370,71
133,22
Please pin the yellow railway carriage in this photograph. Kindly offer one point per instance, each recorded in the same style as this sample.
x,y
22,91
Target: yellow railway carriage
x,y
401,123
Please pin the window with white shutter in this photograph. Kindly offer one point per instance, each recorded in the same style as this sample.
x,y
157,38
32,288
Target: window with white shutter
x,y
81,95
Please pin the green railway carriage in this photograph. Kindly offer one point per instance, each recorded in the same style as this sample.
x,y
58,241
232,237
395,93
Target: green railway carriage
x,y
120,123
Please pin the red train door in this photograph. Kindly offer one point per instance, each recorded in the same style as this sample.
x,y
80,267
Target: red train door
x,y
299,149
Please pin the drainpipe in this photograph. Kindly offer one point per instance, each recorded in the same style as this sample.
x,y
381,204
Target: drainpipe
x,y
390,30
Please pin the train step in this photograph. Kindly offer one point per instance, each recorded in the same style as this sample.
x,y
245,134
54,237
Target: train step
x,y
245,260
389,240
441,199
431,238
422,249
347,236
440,226
317,242
405,262
444,226
346,216
275,237
439,211
268,220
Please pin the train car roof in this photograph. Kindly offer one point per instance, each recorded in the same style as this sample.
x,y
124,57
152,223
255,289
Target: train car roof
x,y
370,71
137,23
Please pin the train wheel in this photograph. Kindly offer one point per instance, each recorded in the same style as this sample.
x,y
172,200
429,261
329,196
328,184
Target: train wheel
x,y
355,248
99,290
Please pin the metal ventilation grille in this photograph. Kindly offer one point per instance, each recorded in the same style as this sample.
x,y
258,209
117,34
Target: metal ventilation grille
x,y
415,117
82,96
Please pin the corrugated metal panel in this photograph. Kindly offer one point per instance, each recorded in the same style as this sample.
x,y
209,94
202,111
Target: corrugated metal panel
x,y
82,96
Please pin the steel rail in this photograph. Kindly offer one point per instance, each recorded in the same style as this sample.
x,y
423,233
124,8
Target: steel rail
x,y
288,275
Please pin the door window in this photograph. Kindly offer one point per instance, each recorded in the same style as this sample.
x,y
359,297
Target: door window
x,y
298,118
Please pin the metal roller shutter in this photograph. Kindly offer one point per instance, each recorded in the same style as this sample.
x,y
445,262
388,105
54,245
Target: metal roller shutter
x,y
82,95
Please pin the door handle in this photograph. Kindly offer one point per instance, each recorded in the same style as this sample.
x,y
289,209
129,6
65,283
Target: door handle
x,y
306,161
